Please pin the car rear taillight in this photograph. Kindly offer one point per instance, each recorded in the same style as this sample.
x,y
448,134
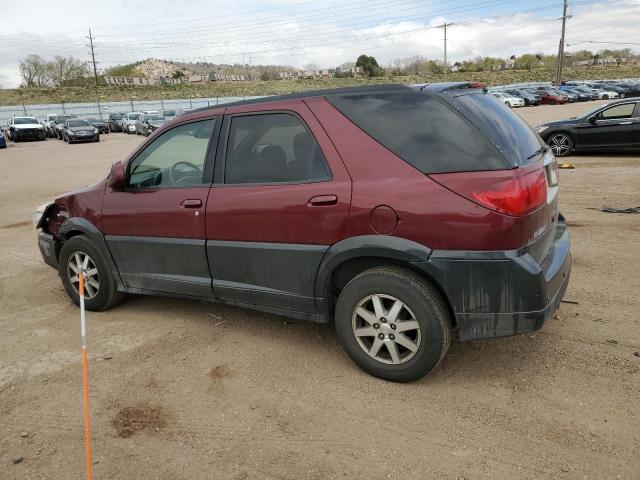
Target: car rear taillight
x,y
511,192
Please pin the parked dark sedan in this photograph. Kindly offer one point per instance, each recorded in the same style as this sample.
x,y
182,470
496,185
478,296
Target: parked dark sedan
x,y
101,125
613,127
77,130
58,125
149,122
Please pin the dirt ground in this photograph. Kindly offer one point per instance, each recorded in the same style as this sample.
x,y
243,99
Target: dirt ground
x,y
188,390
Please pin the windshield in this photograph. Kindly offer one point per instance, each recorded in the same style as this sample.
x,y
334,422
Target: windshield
x,y
170,113
62,118
117,116
154,118
78,123
133,116
25,120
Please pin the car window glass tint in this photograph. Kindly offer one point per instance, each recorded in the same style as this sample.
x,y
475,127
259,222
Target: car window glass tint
x,y
423,131
174,159
618,111
273,148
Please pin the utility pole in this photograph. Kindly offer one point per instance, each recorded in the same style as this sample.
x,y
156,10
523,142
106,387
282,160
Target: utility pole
x,y
93,57
444,27
560,60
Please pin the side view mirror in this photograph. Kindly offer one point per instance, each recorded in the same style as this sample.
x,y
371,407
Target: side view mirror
x,y
593,120
117,178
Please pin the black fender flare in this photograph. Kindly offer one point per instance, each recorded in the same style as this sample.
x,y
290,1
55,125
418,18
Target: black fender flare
x,y
85,227
366,246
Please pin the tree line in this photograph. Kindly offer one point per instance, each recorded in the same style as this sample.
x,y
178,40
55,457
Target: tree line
x,y
38,72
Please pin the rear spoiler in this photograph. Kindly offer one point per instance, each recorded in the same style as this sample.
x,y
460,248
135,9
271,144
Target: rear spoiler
x,y
449,86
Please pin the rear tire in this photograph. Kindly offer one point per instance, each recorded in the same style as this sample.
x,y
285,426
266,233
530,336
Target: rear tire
x,y
402,355
605,97
561,144
101,297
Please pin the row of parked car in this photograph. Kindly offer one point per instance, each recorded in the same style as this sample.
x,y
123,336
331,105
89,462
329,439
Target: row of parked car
x,y
72,129
141,123
566,93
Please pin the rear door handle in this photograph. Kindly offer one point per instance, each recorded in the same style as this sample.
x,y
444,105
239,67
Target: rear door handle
x,y
191,203
625,123
323,201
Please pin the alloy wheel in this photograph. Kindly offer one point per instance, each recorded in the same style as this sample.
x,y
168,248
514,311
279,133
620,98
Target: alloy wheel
x,y
81,262
386,329
560,144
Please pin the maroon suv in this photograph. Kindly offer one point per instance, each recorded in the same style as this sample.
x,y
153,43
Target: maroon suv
x,y
398,212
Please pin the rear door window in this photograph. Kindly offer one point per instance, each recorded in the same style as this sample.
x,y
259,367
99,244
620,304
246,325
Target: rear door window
x,y
422,130
273,148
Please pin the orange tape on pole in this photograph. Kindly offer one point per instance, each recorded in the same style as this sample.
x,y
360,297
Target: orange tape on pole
x,y
85,378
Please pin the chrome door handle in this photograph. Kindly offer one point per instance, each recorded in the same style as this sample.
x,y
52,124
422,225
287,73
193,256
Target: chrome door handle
x,y
625,123
323,201
191,203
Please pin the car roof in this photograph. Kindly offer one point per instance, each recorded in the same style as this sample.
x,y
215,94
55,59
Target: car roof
x,y
387,87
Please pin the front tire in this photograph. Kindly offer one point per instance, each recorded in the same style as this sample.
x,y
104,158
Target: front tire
x,y
393,324
79,254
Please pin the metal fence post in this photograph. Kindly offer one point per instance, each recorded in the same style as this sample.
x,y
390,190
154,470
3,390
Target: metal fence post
x,y
162,104
131,102
24,108
190,103
63,110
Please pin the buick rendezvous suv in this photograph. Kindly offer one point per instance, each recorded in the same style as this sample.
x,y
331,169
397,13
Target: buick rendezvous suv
x,y
400,213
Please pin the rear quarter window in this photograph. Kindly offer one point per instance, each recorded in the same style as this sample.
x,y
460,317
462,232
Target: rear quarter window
x,y
422,130
506,130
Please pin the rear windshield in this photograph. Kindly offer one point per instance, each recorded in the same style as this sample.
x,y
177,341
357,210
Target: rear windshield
x,y
506,130
422,130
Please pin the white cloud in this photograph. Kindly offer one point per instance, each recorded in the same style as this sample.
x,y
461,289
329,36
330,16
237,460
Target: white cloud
x,y
299,32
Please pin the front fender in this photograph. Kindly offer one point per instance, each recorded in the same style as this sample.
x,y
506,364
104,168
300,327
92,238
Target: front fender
x,y
74,225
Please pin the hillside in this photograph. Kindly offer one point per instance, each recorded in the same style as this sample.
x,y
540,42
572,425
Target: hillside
x,y
153,68
274,87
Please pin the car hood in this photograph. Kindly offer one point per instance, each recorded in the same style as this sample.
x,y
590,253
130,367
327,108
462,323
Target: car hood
x,y
27,125
559,123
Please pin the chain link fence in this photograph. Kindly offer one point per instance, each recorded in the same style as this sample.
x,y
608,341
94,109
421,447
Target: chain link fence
x,y
103,109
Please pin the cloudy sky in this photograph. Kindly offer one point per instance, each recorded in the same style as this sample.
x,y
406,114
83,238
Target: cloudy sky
x,y
301,32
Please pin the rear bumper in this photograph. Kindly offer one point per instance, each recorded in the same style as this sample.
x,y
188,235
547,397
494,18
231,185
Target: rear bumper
x,y
497,294
47,247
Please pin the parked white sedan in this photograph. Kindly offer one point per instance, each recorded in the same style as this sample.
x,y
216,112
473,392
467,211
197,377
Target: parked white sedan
x,y
509,100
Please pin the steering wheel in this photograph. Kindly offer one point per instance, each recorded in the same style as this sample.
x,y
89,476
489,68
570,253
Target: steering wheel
x,y
178,176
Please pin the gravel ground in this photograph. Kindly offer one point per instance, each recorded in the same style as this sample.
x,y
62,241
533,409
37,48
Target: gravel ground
x,y
188,390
